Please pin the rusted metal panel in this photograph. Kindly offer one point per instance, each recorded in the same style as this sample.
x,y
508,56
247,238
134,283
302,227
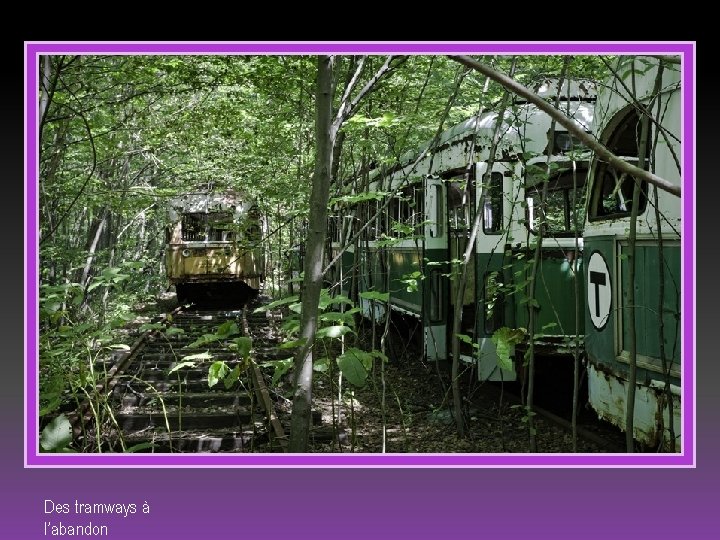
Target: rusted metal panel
x,y
211,264
607,395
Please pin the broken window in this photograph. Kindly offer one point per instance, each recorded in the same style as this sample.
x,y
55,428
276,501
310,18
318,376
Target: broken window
x,y
564,205
203,227
612,190
460,204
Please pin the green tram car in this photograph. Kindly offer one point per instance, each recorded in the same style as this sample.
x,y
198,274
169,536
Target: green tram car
x,y
408,248
214,251
642,98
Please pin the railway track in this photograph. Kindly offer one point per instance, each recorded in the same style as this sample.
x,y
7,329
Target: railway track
x,y
167,394
192,383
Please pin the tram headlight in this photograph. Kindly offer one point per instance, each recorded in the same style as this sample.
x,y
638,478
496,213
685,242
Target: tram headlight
x,y
186,252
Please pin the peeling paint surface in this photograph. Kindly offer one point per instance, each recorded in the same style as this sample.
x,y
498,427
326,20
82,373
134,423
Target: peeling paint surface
x,y
607,394
191,203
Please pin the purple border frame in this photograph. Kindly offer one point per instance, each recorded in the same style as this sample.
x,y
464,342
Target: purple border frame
x,y
33,458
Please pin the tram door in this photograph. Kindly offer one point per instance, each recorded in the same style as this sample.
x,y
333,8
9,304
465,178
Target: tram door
x,y
435,266
461,215
497,195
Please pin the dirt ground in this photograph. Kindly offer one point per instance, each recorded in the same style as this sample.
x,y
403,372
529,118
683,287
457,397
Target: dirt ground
x,y
412,413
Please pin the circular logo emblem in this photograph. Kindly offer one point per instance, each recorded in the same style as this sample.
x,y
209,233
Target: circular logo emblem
x,y
599,290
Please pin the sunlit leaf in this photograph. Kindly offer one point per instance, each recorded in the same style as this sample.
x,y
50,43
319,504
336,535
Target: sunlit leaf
x,y
198,356
216,372
277,303
333,331
181,365
56,435
375,295
321,365
505,340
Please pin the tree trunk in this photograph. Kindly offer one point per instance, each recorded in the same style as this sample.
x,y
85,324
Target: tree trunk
x,y
93,248
467,255
533,306
312,283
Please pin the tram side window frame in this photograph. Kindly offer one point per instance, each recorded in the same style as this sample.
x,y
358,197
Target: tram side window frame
x,y
493,204
561,185
404,210
193,226
611,195
207,227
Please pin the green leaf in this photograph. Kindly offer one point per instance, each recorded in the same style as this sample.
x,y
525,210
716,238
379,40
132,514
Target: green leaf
x,y
355,365
336,316
505,340
203,340
151,326
57,435
292,344
277,303
326,300
321,365
198,356
244,344
53,402
217,371
281,367
232,377
333,331
228,328
171,331
140,447
375,295
181,365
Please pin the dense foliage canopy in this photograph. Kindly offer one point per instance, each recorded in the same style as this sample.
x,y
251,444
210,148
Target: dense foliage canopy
x,y
121,134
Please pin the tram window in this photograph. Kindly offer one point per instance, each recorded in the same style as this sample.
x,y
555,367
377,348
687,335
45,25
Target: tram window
x,y
460,205
418,209
613,194
435,211
380,229
401,213
559,218
565,143
201,227
439,205
218,226
193,227
613,190
493,204
436,296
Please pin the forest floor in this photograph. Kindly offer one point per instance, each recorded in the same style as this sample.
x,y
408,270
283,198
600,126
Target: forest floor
x,y
414,412
417,414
